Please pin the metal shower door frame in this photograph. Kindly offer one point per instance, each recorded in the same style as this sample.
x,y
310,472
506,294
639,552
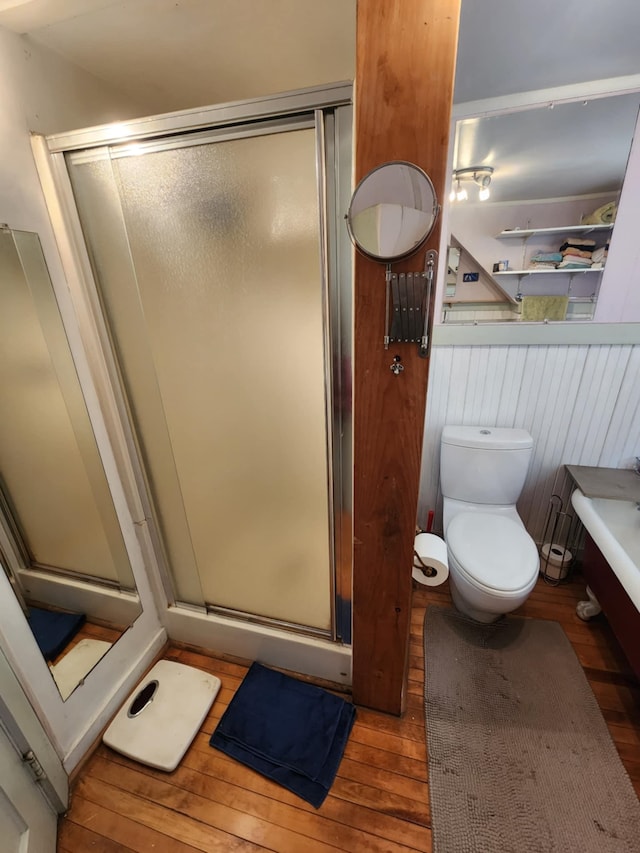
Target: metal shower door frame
x,y
329,110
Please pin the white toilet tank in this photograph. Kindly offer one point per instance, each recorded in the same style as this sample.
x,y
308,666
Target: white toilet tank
x,y
484,465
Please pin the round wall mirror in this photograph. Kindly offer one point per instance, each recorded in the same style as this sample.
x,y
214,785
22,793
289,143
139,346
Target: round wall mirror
x,y
392,211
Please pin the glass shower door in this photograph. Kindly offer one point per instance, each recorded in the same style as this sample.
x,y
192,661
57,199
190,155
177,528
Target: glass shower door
x,y
207,256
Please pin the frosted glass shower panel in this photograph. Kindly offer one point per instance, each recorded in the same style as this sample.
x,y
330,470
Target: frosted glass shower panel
x,y
225,250
99,204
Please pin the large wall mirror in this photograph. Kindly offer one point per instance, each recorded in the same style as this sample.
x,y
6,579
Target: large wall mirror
x,y
60,541
534,245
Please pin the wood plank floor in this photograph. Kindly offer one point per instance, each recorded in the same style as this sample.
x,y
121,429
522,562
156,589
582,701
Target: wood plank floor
x,y
380,799
91,631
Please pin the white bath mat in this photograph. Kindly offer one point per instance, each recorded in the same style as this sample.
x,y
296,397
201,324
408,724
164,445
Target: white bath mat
x,y
77,663
163,714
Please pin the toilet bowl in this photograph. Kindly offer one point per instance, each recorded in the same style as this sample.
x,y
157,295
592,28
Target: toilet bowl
x,y
493,562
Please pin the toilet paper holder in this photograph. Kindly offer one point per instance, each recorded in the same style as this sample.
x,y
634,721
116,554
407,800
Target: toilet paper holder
x,y
560,538
428,571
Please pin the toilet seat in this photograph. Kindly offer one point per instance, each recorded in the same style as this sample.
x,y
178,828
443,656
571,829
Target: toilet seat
x,y
492,551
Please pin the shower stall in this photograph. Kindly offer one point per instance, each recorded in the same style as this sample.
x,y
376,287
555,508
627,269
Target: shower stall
x,y
214,271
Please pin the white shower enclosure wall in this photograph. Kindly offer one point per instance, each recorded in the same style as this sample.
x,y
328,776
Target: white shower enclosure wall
x,y
210,271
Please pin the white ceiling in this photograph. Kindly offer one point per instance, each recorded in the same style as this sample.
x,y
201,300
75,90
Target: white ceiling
x,y
176,54
508,46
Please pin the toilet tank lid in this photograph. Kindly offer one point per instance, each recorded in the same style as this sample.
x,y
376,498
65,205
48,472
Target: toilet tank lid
x,y
489,438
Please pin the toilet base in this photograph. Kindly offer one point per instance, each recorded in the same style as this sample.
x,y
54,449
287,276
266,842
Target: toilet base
x,y
464,607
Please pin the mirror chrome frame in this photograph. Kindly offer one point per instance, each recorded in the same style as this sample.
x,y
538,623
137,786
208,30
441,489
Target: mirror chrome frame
x,y
435,211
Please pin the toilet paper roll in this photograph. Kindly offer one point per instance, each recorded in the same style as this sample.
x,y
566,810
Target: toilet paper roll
x,y
555,561
556,555
430,565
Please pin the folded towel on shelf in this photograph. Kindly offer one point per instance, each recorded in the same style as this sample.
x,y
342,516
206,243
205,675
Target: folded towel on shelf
x,y
538,308
578,243
604,215
546,257
583,258
571,263
540,265
573,250
599,255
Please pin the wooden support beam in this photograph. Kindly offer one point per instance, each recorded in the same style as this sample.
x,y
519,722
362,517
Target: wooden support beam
x,y
405,61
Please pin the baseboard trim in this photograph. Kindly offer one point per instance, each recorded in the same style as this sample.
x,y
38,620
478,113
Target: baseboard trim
x,y
294,652
96,602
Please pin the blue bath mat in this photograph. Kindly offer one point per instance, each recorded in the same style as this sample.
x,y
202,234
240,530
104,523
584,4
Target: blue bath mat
x,y
54,630
287,730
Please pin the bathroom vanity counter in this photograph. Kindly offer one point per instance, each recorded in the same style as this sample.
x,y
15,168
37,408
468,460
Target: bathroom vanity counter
x,y
622,484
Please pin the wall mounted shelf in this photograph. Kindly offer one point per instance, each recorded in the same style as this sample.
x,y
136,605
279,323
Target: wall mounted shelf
x,y
525,234
549,272
568,229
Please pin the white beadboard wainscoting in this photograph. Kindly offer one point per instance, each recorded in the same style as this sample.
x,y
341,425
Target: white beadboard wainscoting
x,y
581,404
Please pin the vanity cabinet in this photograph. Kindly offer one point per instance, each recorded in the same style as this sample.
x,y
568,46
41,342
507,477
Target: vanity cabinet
x,y
620,611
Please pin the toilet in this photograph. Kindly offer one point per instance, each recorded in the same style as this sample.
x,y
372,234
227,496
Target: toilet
x,y
493,562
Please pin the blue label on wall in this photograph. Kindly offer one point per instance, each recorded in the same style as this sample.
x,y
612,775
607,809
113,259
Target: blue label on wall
x,y
470,276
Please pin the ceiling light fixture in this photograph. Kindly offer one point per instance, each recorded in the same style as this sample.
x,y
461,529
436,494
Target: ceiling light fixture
x,y
480,175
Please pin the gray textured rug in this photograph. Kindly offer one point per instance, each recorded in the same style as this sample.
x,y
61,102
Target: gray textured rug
x,y
520,758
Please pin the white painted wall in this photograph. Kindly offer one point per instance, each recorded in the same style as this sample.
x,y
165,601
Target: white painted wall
x,y
175,56
40,92
581,404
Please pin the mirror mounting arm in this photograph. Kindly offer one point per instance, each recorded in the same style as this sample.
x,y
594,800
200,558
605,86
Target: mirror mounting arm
x,y
408,305
387,278
430,266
